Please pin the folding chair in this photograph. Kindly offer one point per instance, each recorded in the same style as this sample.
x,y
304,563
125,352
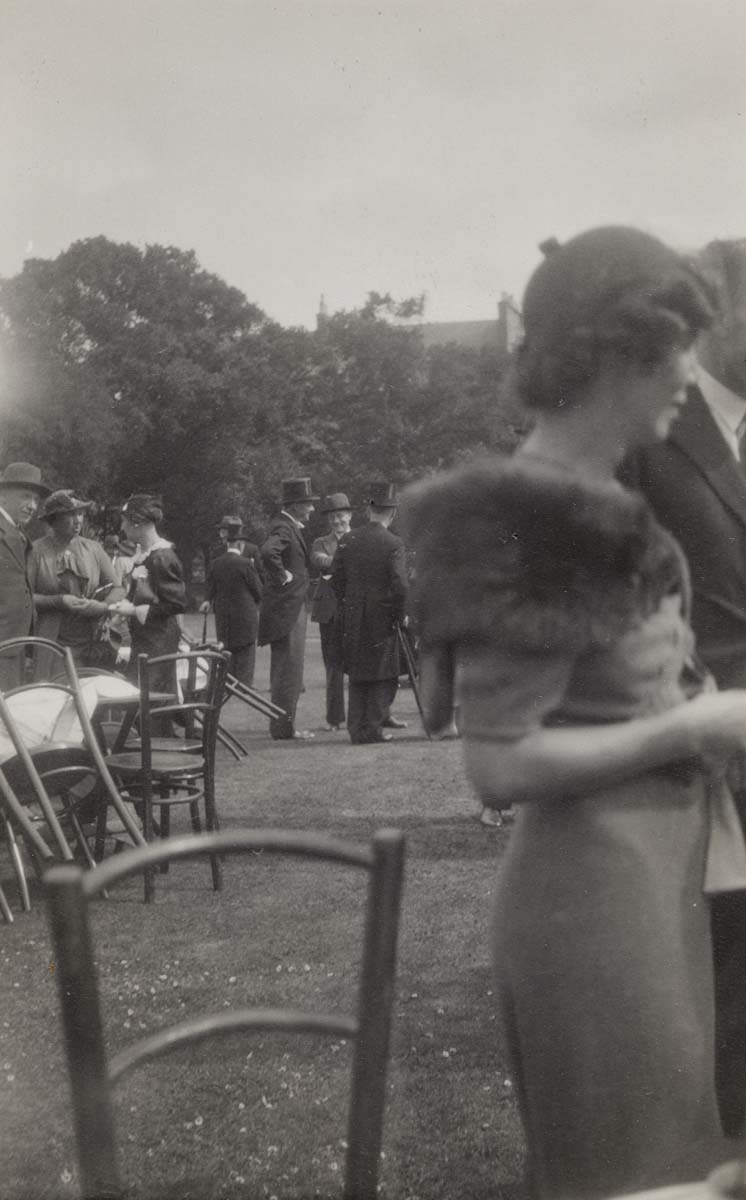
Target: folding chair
x,y
47,747
170,771
69,892
240,691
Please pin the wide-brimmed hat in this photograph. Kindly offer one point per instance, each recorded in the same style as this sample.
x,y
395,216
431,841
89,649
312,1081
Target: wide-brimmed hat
x,y
337,502
297,491
62,501
230,523
382,494
24,475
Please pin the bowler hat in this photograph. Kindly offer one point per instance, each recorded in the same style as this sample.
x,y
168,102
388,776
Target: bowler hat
x,y
297,491
24,475
382,494
62,501
230,523
337,502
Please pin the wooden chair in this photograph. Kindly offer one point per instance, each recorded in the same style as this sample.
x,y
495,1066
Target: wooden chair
x,y
171,771
92,1076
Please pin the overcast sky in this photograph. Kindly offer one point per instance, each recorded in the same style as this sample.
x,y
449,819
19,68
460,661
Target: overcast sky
x,y
310,146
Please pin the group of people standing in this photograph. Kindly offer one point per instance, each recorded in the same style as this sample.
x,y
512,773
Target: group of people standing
x,y
65,588
358,602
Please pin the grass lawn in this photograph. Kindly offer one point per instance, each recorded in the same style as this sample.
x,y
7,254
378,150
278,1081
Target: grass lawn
x,y
260,1115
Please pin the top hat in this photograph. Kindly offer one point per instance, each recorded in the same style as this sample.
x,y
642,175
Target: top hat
x,y
62,501
24,475
337,502
231,523
297,491
382,494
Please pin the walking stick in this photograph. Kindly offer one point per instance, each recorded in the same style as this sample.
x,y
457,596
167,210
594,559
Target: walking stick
x,y
204,630
412,673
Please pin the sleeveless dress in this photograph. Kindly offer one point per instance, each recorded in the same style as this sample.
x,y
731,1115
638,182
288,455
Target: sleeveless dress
x,y
566,605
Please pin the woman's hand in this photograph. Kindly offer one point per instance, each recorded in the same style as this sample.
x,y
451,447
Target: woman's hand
x,y
125,608
73,603
717,721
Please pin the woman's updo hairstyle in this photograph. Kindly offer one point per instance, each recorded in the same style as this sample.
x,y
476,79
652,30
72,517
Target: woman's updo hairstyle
x,y
143,509
613,296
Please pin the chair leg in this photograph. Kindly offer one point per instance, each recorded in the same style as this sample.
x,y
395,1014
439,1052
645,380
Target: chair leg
x,y
14,851
165,813
79,835
211,823
5,907
99,845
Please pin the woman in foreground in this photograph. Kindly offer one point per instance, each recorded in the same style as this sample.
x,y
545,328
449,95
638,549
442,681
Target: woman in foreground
x,y
564,606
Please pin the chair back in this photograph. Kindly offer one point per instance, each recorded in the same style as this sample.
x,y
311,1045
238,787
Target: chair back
x,y
201,677
69,892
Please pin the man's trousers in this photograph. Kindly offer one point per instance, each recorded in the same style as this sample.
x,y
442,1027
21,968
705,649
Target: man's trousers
x,y
368,703
286,675
335,676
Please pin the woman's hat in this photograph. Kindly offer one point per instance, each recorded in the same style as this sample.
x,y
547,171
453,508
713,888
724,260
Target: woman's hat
x,y
382,494
24,475
143,507
62,501
579,281
297,491
337,502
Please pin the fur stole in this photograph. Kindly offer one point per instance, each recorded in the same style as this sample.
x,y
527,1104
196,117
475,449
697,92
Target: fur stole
x,y
521,550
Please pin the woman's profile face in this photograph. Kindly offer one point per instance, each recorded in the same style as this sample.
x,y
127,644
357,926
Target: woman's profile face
x,y
653,397
130,530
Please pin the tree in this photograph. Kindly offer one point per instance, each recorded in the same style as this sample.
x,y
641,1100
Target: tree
x,y
157,347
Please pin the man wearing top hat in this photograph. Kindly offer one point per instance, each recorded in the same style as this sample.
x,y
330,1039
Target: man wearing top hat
x,y
370,582
282,618
234,590
324,608
20,491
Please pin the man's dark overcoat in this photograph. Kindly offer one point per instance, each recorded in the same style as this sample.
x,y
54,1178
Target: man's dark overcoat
x,y
370,581
697,490
235,590
16,599
284,550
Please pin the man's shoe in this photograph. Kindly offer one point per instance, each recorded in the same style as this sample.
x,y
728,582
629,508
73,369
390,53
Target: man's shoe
x,y
394,723
303,735
383,737
332,728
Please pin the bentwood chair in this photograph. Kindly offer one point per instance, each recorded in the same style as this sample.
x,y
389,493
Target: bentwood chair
x,y
180,770
92,1074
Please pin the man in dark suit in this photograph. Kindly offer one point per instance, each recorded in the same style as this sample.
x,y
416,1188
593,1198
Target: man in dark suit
x,y
324,608
695,482
282,619
20,491
370,582
234,590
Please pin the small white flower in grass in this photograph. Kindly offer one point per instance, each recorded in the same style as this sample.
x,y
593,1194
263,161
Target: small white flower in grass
x,y
232,979
333,1166
241,1106
66,1176
266,1102
306,966
198,1121
130,1012
242,1129
10,1078
271,1149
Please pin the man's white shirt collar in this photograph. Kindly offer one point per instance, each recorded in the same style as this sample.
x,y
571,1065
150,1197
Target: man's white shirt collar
x,y
727,407
298,524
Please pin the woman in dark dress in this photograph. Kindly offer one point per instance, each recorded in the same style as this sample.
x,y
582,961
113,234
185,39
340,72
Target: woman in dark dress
x,y
156,595
554,608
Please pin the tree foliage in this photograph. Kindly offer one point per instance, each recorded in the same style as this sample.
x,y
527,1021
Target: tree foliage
x,y
129,369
